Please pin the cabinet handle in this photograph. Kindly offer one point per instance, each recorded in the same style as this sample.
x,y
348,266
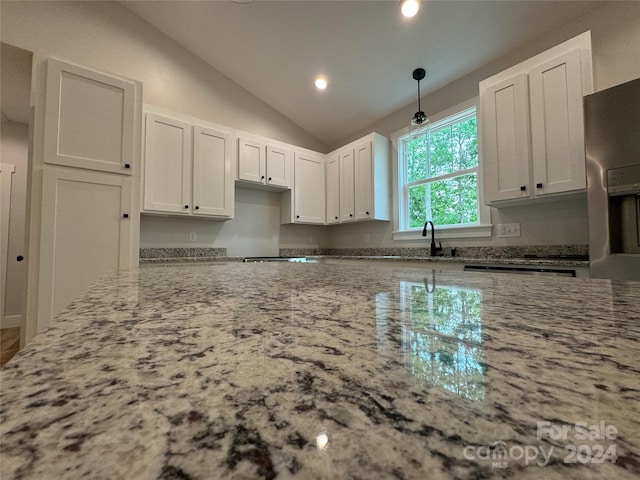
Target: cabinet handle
x,y
186,206
366,213
336,218
197,207
262,177
523,188
538,185
297,216
126,165
125,215
269,178
351,214
19,258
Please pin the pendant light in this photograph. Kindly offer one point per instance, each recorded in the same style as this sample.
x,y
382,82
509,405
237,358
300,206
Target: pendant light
x,y
419,117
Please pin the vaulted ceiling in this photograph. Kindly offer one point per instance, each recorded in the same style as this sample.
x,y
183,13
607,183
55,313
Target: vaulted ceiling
x,y
366,49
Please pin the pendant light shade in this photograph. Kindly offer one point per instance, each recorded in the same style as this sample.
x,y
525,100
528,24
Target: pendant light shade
x,y
419,117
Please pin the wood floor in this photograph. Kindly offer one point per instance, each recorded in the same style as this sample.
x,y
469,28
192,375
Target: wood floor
x,y
9,344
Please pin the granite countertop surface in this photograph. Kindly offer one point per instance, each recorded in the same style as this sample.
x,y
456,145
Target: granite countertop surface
x,y
541,262
367,370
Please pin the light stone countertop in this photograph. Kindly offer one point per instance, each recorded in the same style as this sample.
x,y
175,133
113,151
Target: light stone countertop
x,y
328,371
536,262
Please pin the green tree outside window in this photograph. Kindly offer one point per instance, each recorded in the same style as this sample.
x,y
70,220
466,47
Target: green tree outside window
x,y
441,165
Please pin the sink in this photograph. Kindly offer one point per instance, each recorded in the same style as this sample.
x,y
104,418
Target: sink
x,y
273,259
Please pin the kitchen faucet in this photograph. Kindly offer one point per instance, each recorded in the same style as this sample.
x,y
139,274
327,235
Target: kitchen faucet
x,y
434,249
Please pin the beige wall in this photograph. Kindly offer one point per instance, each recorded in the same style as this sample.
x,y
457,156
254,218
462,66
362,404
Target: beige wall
x,y
14,144
615,36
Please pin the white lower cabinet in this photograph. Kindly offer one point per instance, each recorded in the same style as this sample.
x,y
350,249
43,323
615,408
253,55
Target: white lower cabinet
x,y
86,220
187,169
305,203
531,129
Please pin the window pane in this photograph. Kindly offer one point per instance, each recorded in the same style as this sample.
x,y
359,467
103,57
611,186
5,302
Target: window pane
x,y
440,153
454,201
416,156
417,205
464,144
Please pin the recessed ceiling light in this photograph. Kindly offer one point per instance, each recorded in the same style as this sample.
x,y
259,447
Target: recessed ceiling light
x,y
321,83
410,7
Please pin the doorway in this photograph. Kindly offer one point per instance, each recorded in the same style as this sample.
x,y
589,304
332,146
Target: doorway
x,y
15,71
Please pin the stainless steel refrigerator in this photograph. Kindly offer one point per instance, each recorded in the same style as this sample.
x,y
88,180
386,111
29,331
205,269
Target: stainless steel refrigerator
x,y
612,147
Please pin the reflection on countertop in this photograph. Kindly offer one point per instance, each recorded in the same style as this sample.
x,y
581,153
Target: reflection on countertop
x,y
316,370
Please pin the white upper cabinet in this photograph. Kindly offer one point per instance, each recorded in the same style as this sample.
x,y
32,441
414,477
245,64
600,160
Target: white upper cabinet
x,y
305,203
167,167
364,180
531,128
251,160
278,171
187,169
263,162
506,158
213,189
333,189
557,129
90,119
347,196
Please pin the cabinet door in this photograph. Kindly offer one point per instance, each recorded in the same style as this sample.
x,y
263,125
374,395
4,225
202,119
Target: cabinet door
x,y
347,203
85,233
278,166
333,189
309,204
505,138
251,160
212,177
167,166
364,181
557,131
89,119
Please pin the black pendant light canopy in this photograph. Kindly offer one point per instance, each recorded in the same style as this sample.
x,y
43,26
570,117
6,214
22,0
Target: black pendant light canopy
x,y
419,118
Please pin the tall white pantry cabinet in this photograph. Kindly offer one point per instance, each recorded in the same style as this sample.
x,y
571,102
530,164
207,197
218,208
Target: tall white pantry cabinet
x,y
86,172
531,127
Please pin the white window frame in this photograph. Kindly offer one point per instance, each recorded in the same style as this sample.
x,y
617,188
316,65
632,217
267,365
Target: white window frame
x,y
401,231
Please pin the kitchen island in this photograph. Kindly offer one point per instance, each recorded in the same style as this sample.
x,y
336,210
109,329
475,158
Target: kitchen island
x,y
327,371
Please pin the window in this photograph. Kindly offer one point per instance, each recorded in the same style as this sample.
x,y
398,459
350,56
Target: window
x,y
438,173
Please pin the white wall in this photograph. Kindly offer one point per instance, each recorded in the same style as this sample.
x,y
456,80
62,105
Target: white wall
x,y
615,35
14,144
254,232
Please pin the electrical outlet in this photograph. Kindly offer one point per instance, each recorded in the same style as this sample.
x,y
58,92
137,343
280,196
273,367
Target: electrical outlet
x,y
508,229
193,236
367,238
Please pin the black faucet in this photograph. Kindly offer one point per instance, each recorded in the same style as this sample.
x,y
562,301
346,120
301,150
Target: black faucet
x,y
434,249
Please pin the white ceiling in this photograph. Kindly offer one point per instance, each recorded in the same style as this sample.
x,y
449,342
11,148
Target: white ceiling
x,y
366,49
